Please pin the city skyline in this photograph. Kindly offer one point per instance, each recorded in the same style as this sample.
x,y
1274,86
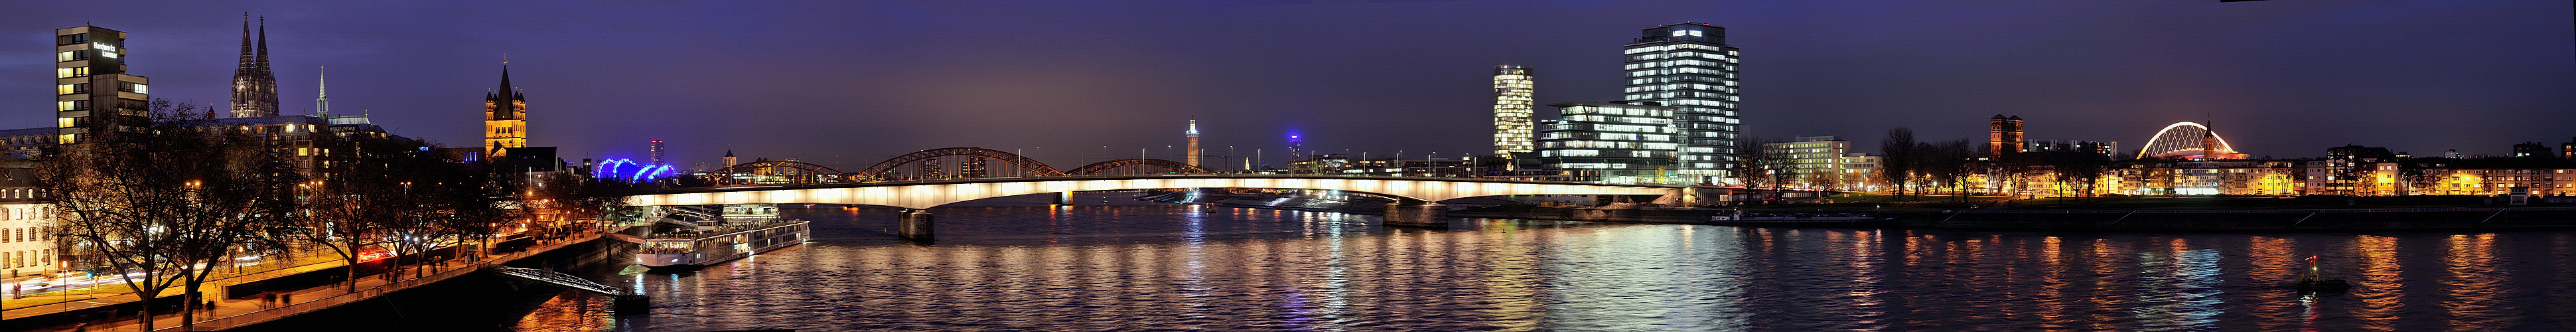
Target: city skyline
x,y
2279,78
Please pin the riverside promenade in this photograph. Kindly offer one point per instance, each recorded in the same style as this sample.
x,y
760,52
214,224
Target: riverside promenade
x,y
235,313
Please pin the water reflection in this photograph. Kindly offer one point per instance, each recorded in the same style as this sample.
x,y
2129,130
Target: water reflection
x,y
2382,290
2473,283
1195,267
2054,312
1512,280
570,311
2272,263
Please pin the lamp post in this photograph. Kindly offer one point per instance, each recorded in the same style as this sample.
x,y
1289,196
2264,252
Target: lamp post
x,y
1346,158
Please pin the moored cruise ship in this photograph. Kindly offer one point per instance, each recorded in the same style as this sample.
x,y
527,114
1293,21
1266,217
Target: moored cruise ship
x,y
742,230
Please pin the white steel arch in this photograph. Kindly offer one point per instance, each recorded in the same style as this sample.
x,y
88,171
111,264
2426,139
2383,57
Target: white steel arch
x,y
2187,140
927,195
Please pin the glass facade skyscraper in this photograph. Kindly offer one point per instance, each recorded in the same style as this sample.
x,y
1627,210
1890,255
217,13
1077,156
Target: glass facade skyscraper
x,y
1624,143
1688,66
1512,108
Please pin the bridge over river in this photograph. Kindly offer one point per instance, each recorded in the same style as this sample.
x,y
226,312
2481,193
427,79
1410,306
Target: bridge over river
x,y
1417,198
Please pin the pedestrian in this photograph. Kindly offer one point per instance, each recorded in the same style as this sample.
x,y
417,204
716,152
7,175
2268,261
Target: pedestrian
x,y
268,301
286,299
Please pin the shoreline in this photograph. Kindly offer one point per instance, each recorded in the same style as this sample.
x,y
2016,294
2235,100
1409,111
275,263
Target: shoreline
x,y
2140,220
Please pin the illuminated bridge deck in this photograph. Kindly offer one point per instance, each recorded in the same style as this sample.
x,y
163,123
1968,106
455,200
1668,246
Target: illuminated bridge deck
x,y
926,194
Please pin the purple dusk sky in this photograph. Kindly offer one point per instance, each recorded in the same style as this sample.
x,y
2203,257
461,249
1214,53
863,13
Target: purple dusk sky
x,y
852,83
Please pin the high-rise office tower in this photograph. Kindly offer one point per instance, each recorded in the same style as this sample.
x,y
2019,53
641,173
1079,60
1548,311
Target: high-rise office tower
x,y
1621,143
93,95
1512,107
655,151
1296,147
505,118
254,86
2003,135
1194,143
1688,66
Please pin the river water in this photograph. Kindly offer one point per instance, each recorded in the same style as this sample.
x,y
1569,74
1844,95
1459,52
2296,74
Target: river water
x,y
1005,265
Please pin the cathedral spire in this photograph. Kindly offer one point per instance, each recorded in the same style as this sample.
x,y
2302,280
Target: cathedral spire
x,y
263,44
254,86
246,64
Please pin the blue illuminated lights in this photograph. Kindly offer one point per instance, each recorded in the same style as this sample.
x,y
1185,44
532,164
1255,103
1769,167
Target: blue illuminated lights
x,y
631,171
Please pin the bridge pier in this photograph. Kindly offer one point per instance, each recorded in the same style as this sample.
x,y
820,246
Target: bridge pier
x,y
633,304
913,225
1414,213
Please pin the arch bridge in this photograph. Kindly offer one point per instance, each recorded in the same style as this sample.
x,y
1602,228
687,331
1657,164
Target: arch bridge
x,y
1416,204
932,164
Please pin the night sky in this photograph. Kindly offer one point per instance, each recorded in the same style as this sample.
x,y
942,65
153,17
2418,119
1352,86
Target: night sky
x,y
850,84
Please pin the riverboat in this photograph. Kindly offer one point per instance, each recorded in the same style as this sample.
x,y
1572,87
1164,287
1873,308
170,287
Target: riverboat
x,y
742,230
1820,219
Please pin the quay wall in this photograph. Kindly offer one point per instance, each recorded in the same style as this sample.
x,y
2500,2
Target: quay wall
x,y
2248,220
475,301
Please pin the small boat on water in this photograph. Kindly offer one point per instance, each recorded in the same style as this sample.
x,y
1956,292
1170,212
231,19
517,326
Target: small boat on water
x,y
740,231
2312,282
1810,219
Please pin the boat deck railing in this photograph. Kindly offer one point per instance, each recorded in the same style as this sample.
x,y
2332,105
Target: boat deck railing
x,y
727,228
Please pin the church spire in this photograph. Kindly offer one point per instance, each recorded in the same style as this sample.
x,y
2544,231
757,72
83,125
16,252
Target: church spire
x,y
505,79
322,94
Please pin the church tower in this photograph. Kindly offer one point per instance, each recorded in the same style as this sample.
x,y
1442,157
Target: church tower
x,y
254,86
505,117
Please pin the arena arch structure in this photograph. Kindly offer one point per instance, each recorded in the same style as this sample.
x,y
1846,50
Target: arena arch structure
x,y
773,172
2188,140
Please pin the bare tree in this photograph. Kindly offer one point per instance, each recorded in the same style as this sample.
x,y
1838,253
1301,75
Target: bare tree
x,y
1946,164
365,202
478,203
1781,165
2072,169
170,202
1766,166
1899,163
565,199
